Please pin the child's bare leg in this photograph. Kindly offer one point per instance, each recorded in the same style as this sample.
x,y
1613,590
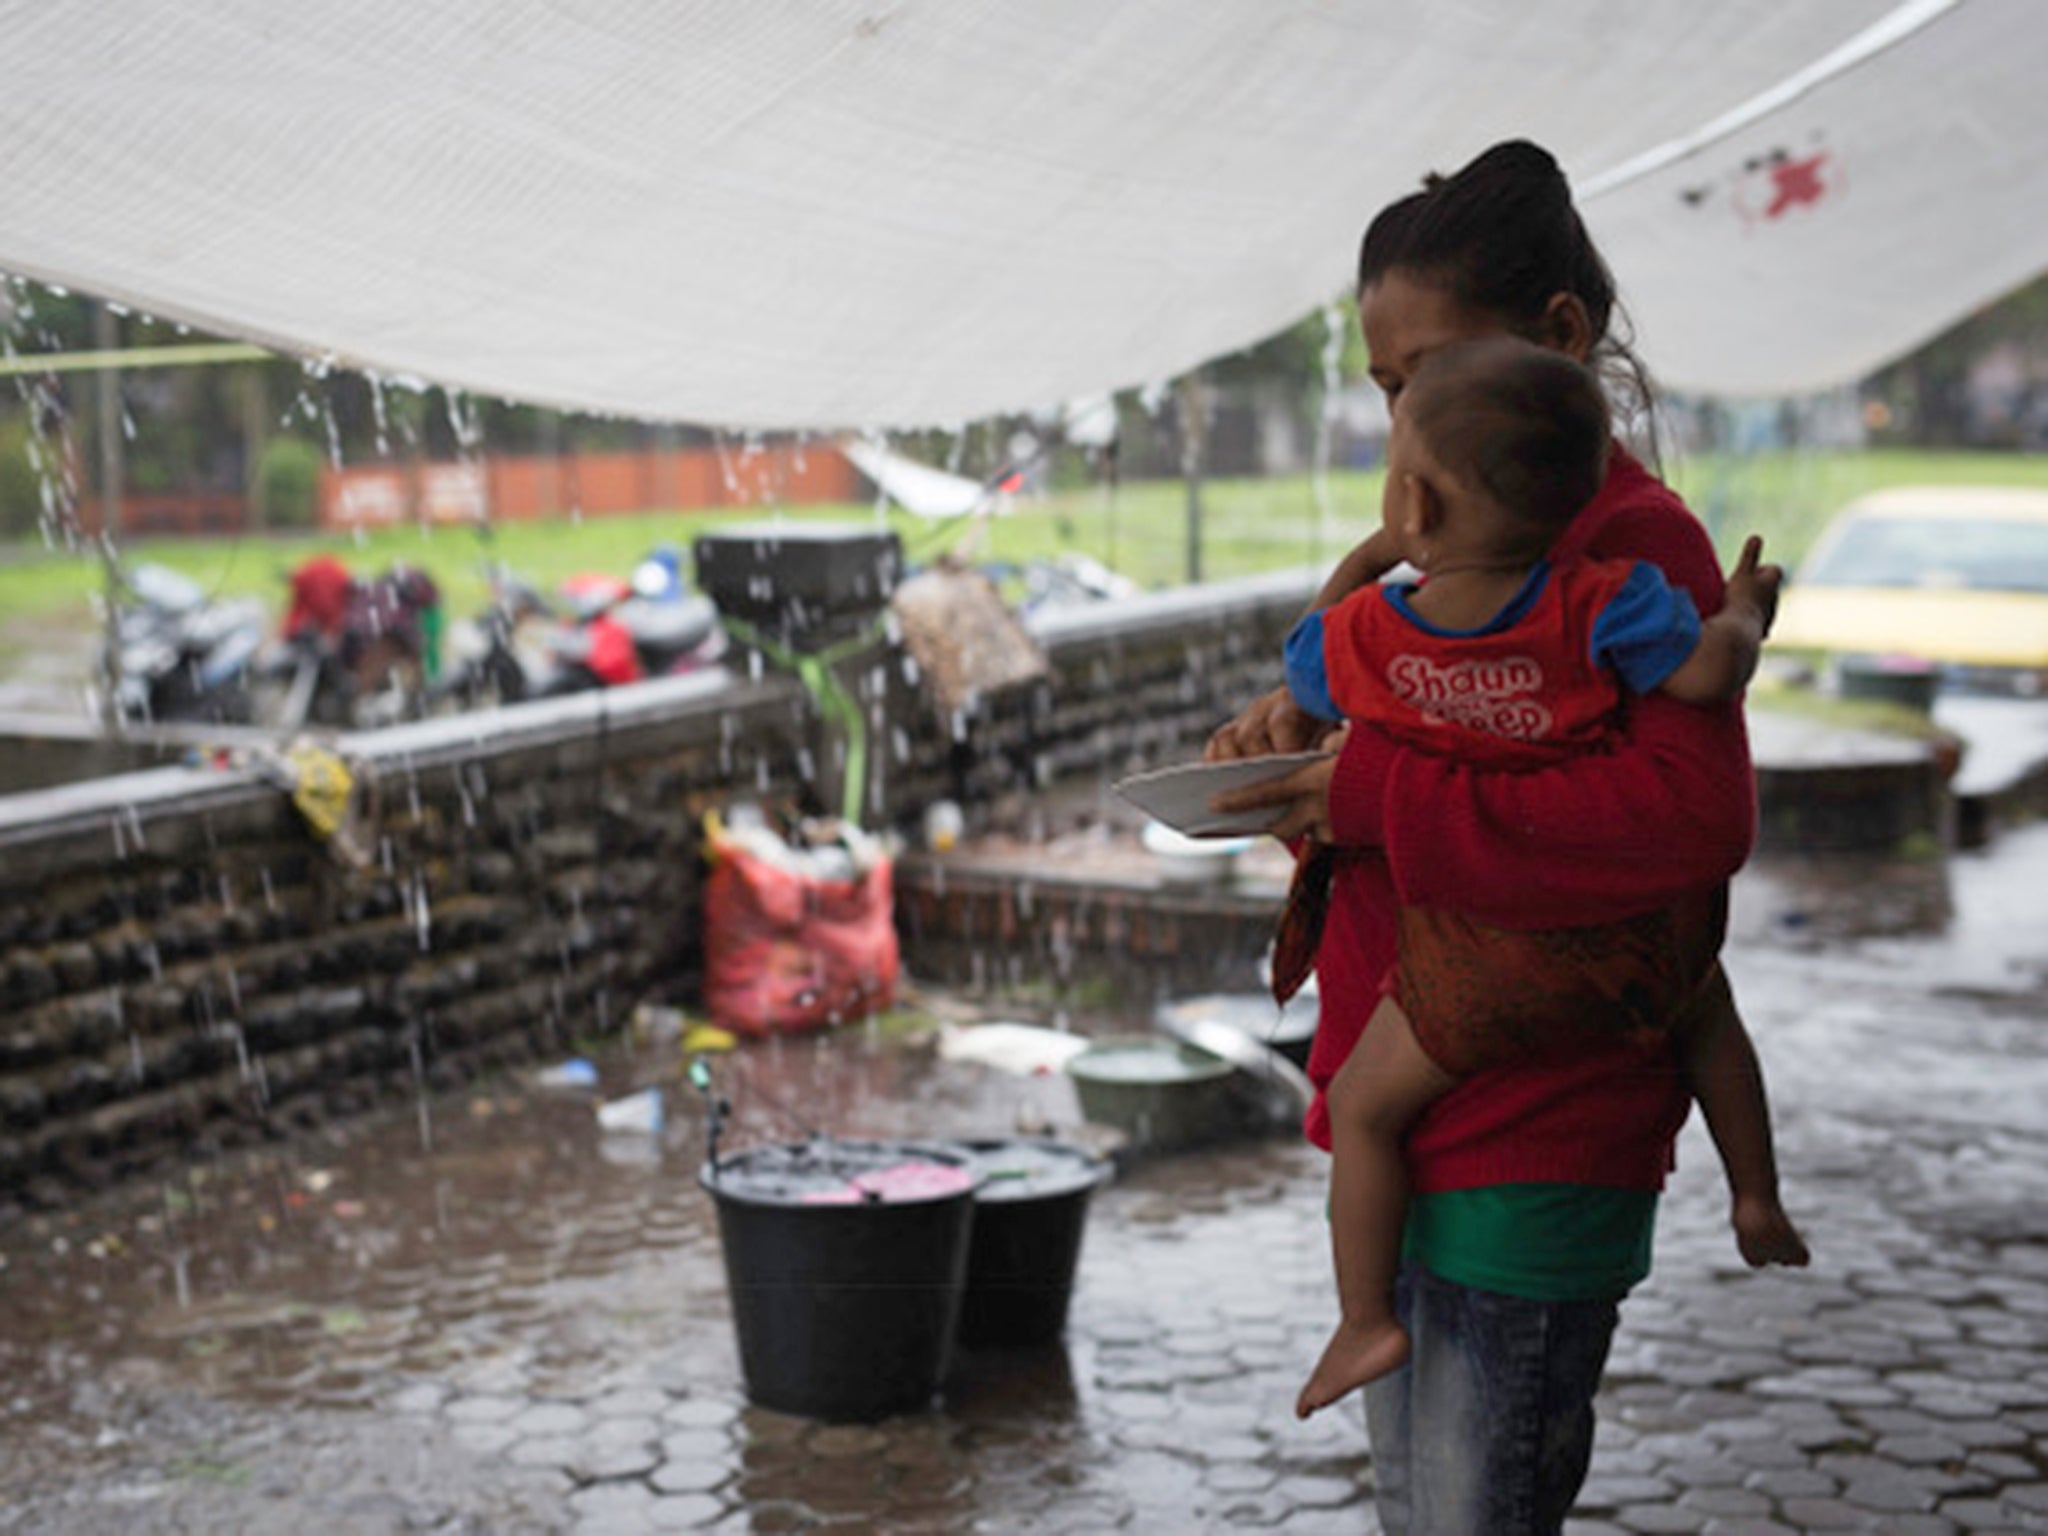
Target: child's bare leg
x,y
1723,1072
1387,1082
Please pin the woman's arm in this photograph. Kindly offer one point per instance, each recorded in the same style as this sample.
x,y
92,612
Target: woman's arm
x,y
1578,843
1274,722
1590,838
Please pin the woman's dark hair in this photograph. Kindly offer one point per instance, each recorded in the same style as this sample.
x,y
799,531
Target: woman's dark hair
x,y
1502,236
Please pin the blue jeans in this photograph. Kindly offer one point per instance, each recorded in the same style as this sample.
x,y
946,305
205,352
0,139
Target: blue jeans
x,y
1488,1430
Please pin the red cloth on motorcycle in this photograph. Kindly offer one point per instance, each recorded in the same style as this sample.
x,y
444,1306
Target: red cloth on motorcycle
x,y
590,593
414,587
387,611
321,587
786,952
612,655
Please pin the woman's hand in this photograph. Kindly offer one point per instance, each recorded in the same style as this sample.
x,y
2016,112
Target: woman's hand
x,y
1302,797
1271,723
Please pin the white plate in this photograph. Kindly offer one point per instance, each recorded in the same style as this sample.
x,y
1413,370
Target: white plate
x,y
1179,796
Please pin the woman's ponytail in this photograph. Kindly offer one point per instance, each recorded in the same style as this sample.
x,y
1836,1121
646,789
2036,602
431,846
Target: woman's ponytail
x,y
1501,233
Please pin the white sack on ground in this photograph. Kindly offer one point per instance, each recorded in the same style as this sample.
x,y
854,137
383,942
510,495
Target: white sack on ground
x,y
822,213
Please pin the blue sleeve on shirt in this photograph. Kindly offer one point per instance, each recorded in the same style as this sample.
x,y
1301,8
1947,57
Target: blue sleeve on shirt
x,y
1646,631
1307,678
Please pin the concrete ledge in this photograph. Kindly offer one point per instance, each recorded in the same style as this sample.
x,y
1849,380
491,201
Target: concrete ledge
x,y
1822,788
120,807
1175,608
43,751
629,711
2004,774
1017,927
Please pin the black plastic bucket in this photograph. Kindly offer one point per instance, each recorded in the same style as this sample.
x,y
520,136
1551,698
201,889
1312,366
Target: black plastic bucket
x,y
1029,1213
846,1268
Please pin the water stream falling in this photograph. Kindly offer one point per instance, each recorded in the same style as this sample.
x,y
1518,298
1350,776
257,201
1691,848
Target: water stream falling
x,y
1331,357
422,1107
379,415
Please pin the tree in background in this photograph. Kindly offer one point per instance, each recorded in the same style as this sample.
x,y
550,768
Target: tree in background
x,y
287,484
1981,384
21,488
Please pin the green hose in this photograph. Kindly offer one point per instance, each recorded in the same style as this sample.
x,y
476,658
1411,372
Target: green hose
x,y
814,671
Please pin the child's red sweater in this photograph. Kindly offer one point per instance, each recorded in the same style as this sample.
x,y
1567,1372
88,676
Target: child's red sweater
x,y
1668,817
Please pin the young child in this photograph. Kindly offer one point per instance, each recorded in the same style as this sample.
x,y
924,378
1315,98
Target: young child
x,y
1500,658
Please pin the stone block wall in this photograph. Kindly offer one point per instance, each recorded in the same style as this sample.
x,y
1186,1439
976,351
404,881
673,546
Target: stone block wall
x,y
1131,685
184,966
1094,946
1886,807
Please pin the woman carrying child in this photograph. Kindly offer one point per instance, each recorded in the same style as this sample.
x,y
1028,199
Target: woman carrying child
x,y
1535,1182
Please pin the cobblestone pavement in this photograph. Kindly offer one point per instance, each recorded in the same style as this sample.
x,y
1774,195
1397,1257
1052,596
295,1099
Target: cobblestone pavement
x,y
524,1329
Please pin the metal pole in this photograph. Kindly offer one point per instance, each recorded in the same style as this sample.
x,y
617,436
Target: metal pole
x,y
549,432
255,400
183,355
107,421
1192,431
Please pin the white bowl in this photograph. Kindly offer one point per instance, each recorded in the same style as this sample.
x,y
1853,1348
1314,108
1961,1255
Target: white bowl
x,y
1185,860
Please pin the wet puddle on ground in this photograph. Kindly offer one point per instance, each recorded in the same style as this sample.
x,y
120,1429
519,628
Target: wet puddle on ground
x,y
304,1273
200,1336
523,1324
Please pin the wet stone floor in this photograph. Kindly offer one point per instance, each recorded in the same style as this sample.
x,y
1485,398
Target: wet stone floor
x,y
479,1315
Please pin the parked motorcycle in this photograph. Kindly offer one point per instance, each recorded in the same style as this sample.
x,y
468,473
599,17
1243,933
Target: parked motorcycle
x,y
178,653
356,653
599,632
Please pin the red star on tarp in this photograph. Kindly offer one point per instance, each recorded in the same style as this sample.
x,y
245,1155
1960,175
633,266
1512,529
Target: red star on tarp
x,y
1796,182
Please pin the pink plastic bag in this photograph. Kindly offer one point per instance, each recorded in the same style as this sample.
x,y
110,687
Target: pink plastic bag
x,y
786,952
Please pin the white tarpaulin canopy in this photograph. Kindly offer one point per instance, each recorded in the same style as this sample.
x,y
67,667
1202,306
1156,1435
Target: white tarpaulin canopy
x,y
895,212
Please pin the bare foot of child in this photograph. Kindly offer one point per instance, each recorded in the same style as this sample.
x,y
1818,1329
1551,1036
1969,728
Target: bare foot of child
x,y
1355,1355
1765,1235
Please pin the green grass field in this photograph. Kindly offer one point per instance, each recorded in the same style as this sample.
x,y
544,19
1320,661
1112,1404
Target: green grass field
x,y
1248,526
